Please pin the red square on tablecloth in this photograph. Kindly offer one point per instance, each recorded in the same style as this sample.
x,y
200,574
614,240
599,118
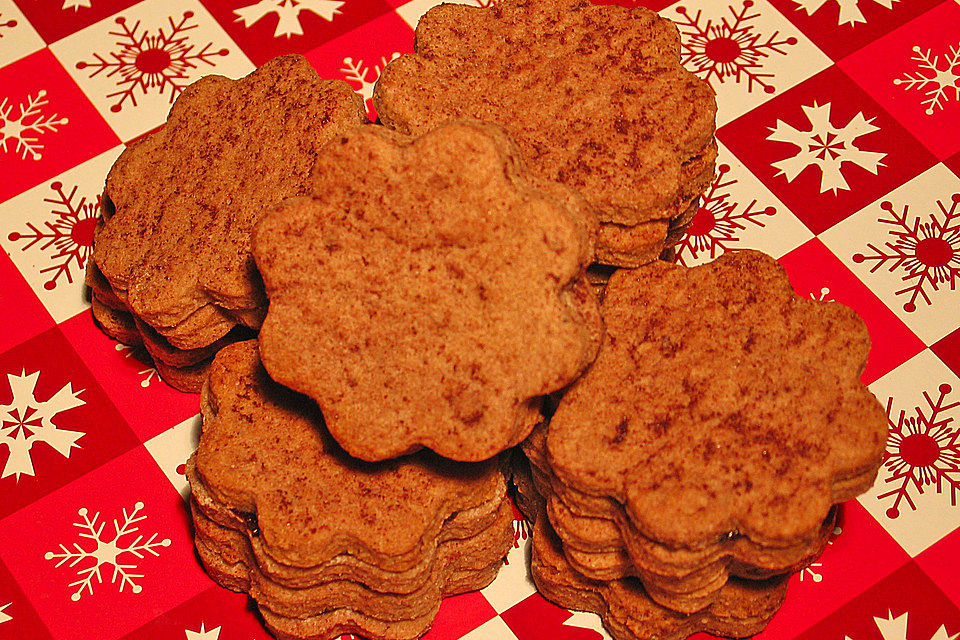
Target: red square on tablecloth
x,y
942,563
825,148
125,514
839,27
148,404
953,162
912,72
267,29
817,273
215,614
859,554
17,616
459,615
906,605
948,350
56,423
360,55
534,618
26,316
57,127
54,19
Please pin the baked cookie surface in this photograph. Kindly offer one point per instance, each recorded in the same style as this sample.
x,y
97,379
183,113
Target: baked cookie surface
x,y
180,203
429,294
594,96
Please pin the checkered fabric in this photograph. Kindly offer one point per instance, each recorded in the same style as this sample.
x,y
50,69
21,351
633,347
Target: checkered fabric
x,y
839,133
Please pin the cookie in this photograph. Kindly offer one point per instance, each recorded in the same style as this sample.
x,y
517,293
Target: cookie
x,y
428,294
742,608
594,95
722,420
180,203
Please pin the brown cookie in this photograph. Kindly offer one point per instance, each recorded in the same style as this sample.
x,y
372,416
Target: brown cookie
x,y
595,97
429,294
742,608
723,418
180,204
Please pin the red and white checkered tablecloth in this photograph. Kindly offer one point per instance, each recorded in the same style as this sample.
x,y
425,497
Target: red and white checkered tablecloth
x,y
839,130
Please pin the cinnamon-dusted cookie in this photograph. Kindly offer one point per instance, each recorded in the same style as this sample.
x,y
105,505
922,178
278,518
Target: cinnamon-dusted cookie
x,y
429,294
594,95
742,608
724,413
298,501
180,203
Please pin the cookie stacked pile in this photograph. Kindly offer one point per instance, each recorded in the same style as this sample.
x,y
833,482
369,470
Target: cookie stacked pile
x,y
425,293
594,96
171,267
707,445
428,290
324,543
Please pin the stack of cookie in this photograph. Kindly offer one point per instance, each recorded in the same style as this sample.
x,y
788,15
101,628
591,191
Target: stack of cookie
x,y
324,543
426,294
594,96
171,267
721,422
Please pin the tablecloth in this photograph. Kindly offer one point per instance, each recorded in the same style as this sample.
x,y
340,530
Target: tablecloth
x,y
839,133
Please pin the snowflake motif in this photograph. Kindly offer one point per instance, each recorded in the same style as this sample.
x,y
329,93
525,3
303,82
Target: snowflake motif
x,y
826,147
5,617
358,72
30,121
811,570
728,49
922,451
76,5
849,9
823,295
288,13
27,414
714,228
928,252
203,634
933,78
107,552
149,374
892,628
70,235
9,24
151,61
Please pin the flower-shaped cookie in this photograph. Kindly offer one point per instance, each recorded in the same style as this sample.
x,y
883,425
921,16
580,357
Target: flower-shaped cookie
x,y
180,203
428,294
594,96
722,407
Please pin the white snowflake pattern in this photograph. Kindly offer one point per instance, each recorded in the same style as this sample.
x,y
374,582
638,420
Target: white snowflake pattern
x,y
826,147
107,551
26,414
203,633
76,5
815,569
933,78
288,13
358,72
5,617
850,12
148,374
823,295
25,127
895,628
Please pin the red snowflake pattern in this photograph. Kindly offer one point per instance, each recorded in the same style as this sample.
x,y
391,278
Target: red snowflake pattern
x,y
8,24
714,228
728,48
69,236
922,451
148,61
929,252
